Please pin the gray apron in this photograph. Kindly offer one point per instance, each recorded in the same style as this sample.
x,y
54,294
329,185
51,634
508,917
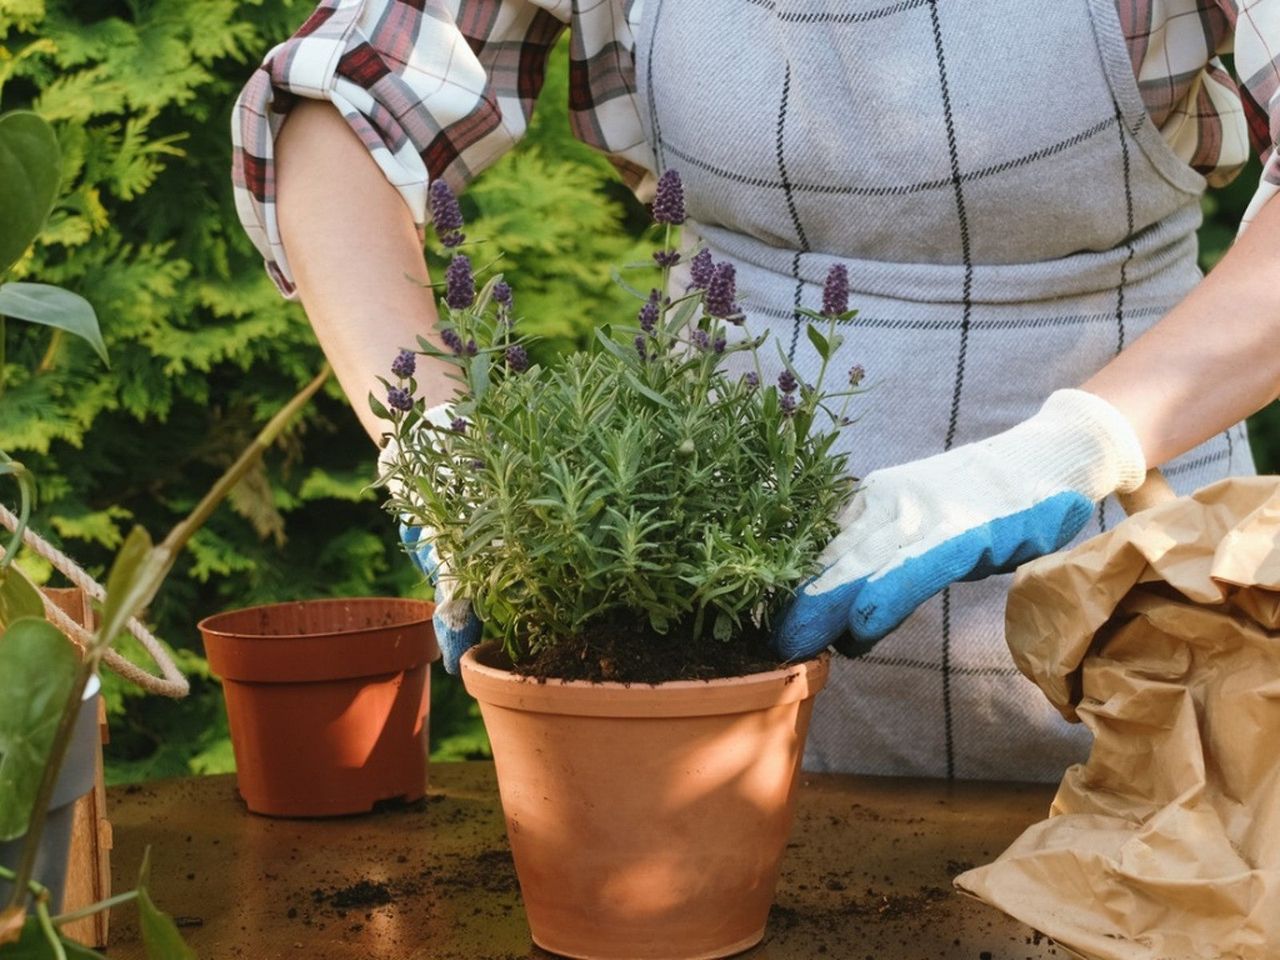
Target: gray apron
x,y
1010,218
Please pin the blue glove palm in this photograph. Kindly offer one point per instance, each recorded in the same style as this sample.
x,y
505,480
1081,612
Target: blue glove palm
x,y
980,509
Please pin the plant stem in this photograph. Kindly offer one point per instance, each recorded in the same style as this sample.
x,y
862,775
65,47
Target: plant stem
x,y
51,353
42,911
27,492
167,552
93,908
2,357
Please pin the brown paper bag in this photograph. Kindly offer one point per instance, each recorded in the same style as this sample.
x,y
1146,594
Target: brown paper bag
x,y
1163,637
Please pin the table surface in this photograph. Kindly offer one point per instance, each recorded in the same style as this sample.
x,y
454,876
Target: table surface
x,y
867,875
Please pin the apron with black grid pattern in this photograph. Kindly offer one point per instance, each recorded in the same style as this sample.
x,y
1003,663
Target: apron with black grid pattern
x,y
1010,218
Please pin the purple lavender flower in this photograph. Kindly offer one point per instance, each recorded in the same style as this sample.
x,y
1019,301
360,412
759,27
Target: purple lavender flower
x,y
502,294
399,399
459,425
404,364
472,347
721,291
787,382
517,358
787,404
452,340
446,214
856,373
701,268
666,258
642,346
459,283
648,315
719,345
751,379
835,291
701,339
668,201
477,464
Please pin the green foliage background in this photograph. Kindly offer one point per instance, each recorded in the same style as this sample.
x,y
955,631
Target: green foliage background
x,y
203,350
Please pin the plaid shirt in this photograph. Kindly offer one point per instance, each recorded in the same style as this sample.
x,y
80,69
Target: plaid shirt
x,y
444,89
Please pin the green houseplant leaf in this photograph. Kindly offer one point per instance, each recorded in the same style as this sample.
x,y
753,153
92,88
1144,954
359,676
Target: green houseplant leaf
x,y
160,934
18,597
53,307
37,670
34,945
30,169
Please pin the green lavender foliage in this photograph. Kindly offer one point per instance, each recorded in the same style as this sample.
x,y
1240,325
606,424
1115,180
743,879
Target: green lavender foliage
x,y
636,480
202,347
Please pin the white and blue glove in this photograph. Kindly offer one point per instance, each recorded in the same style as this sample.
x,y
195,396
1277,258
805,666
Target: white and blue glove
x,y
966,514
457,628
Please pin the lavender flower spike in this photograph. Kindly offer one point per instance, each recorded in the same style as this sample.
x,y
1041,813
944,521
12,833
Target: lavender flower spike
x,y
648,316
668,201
502,294
446,214
642,347
700,269
751,379
404,364
701,339
856,373
399,399
787,404
460,284
835,291
452,340
517,358
666,258
787,382
721,291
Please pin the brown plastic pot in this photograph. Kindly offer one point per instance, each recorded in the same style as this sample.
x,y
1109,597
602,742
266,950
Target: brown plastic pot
x,y
327,701
646,821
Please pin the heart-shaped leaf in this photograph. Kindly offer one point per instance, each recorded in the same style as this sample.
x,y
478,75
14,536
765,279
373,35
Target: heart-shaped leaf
x,y
37,670
30,169
53,307
18,598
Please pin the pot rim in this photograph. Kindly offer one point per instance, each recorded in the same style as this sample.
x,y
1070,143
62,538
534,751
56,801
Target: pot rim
x,y
673,698
209,625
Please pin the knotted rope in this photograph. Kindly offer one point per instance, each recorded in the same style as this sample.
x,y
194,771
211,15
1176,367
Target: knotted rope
x,y
171,683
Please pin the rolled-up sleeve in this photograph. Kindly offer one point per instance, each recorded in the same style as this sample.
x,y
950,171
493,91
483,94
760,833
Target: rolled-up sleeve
x,y
1257,63
432,90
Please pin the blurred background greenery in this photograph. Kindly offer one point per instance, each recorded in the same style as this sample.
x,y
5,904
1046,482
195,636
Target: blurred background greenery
x,y
203,349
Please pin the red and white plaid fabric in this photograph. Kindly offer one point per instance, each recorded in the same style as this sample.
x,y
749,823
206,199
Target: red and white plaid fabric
x,y
442,88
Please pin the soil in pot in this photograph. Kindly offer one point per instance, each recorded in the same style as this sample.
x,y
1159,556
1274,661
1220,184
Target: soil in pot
x,y
630,651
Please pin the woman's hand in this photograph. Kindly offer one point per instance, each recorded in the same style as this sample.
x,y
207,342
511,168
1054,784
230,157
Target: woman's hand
x,y
976,510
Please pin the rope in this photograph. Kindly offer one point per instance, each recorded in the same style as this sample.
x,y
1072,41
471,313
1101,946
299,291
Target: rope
x,y
171,683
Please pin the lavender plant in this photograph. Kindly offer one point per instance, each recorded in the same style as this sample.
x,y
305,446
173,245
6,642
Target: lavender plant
x,y
638,480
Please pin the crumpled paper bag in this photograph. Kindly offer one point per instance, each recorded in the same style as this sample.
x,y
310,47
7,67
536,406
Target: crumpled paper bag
x,y
1163,637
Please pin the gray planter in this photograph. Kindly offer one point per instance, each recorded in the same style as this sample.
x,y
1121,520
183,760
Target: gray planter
x,y
74,782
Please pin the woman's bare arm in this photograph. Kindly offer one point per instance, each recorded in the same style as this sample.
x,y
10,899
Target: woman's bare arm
x,y
1211,361
355,256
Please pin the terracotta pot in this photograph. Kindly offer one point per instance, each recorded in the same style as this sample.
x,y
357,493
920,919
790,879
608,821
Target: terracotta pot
x,y
75,779
327,701
646,821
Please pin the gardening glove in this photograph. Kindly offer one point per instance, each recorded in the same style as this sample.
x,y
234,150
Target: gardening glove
x,y
980,509
456,626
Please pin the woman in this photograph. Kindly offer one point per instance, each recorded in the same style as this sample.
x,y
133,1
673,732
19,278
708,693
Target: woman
x,y
1014,188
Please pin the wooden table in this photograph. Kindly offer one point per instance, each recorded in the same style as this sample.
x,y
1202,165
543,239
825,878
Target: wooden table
x,y
867,876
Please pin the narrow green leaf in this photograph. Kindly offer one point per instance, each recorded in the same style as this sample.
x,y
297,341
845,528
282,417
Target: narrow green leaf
x,y
34,945
30,169
378,409
634,382
160,936
52,306
819,342
37,669
125,582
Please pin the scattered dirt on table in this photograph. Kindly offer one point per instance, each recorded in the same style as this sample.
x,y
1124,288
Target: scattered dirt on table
x,y
630,652
362,893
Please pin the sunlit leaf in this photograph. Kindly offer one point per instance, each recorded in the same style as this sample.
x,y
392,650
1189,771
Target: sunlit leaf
x,y
30,169
37,670
53,307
